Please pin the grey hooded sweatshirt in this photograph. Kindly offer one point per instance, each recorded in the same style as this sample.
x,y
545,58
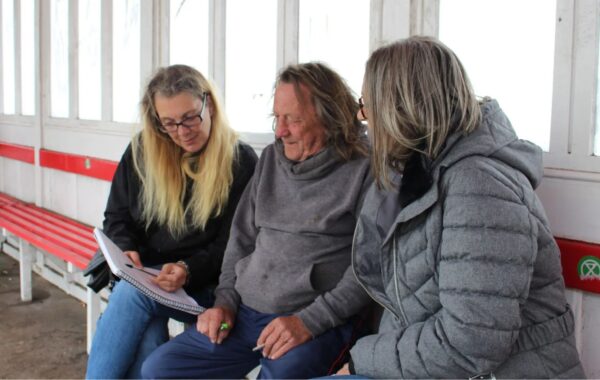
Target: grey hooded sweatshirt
x,y
290,241
468,272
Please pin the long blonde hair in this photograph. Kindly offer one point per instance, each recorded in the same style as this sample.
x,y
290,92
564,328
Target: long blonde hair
x,y
164,168
418,94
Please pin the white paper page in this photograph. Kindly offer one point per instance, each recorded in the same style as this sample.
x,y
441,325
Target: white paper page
x,y
119,262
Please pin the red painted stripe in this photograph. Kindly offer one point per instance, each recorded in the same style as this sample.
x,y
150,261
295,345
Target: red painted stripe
x,y
84,165
581,264
17,152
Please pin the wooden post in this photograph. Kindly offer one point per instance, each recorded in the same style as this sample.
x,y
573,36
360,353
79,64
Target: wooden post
x,y
93,312
25,263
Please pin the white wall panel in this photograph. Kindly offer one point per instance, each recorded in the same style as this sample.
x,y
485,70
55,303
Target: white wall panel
x,y
573,208
586,308
91,200
106,145
17,132
59,192
18,179
590,335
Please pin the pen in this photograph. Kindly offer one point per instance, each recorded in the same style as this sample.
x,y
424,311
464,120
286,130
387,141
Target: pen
x,y
140,269
259,347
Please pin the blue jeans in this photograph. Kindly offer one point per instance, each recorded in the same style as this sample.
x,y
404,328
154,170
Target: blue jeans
x,y
191,355
130,329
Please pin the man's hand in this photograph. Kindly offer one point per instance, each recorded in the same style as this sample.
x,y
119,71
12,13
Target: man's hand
x,y
344,370
210,322
171,277
281,335
134,256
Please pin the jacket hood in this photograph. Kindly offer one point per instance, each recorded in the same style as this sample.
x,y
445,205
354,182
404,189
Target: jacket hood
x,y
494,138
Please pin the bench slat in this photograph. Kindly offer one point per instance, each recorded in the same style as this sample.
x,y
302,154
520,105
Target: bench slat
x,y
44,233
44,244
64,222
83,237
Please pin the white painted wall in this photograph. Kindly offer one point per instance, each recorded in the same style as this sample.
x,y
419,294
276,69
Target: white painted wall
x,y
573,209
17,179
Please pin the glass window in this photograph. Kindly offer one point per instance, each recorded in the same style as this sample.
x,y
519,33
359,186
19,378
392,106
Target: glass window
x,y
8,56
27,58
251,64
59,58
506,58
126,60
188,36
90,90
343,24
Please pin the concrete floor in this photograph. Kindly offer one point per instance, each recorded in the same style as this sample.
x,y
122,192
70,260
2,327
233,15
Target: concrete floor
x,y
42,339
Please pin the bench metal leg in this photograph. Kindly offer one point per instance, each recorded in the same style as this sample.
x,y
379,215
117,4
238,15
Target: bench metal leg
x,y
25,263
93,313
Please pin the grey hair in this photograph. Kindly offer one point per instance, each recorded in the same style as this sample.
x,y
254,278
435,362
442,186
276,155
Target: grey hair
x,y
335,106
417,93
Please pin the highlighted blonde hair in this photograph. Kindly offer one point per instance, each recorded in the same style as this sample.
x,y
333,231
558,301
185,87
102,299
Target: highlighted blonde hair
x,y
418,94
165,168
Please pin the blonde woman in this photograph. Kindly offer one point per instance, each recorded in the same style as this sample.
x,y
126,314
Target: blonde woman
x,y
453,242
170,206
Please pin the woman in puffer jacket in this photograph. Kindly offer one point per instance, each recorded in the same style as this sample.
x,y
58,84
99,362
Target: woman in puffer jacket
x,y
452,241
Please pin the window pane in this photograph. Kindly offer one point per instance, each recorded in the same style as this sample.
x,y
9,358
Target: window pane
x,y
59,58
343,24
126,60
8,56
251,64
506,58
188,37
90,90
27,58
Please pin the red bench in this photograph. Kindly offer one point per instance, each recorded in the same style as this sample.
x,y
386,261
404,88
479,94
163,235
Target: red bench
x,y
50,232
53,234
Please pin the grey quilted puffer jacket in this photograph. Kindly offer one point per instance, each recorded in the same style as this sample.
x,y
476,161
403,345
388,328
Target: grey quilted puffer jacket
x,y
469,274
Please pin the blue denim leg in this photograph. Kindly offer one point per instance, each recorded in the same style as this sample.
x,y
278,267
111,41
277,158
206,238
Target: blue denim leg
x,y
156,334
131,327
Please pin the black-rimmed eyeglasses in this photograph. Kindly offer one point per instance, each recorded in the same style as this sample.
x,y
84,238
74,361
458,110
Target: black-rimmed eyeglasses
x,y
361,107
192,121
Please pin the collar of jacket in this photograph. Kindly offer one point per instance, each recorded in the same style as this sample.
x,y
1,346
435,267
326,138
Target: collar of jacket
x,y
316,166
494,137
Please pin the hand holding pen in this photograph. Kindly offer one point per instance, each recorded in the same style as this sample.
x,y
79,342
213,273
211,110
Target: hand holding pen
x,y
281,335
216,323
172,276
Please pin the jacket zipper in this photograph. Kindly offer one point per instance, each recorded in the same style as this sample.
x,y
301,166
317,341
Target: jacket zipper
x,y
359,281
394,264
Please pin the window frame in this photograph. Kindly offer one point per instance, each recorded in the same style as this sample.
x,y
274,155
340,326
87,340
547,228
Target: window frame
x,y
573,116
572,126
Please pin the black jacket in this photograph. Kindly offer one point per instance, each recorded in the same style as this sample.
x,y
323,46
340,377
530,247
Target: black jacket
x,y
202,250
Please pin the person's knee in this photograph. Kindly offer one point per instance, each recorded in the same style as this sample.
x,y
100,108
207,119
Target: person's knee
x,y
153,368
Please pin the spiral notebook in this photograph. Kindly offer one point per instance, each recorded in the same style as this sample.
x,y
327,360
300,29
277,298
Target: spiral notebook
x,y
141,278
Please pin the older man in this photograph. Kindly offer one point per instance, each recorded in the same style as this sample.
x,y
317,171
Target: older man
x,y
286,291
